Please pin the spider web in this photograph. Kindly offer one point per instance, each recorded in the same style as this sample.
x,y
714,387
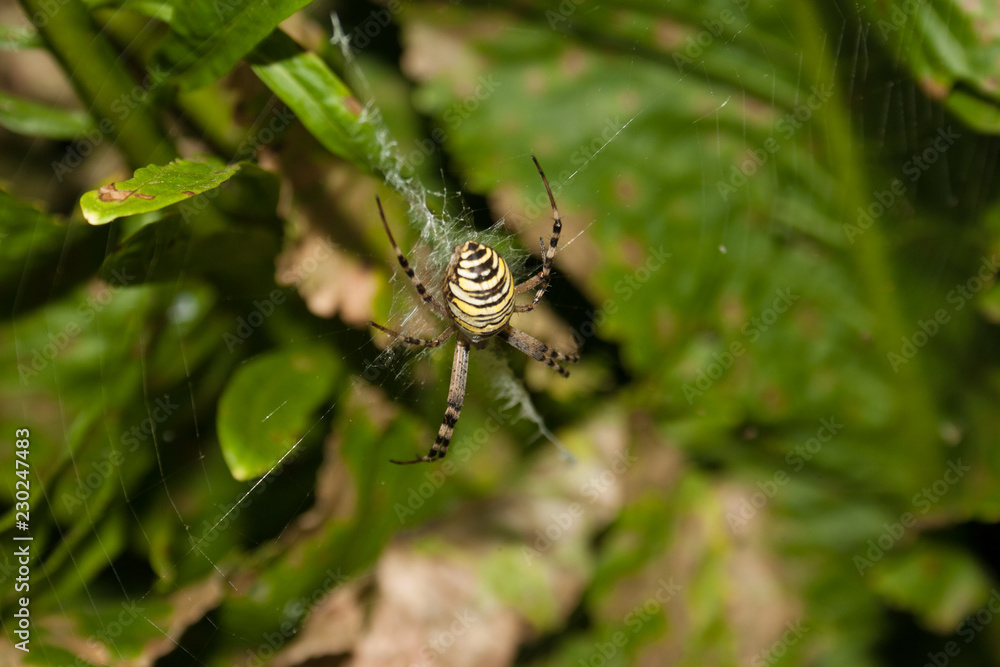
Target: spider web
x,y
439,232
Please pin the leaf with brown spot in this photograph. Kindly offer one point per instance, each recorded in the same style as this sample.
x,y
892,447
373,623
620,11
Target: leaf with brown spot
x,y
155,187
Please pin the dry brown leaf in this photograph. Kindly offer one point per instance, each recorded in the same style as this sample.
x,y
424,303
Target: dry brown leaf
x,y
333,628
432,51
330,281
190,604
437,598
433,611
10,656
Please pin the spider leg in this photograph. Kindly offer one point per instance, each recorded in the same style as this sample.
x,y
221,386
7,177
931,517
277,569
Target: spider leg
x,y
421,290
530,283
541,279
537,350
456,395
410,340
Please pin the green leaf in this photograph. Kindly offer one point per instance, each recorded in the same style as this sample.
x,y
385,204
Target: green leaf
x,y
155,187
269,406
951,51
190,244
343,545
324,104
23,231
162,10
32,244
209,39
156,252
135,636
939,584
40,120
166,250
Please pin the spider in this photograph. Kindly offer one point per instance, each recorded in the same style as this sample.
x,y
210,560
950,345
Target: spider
x,y
479,293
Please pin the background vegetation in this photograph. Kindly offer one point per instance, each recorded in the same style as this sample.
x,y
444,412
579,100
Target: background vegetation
x,y
778,264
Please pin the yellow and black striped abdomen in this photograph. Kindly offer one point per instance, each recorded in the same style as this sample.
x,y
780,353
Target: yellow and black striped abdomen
x,y
479,290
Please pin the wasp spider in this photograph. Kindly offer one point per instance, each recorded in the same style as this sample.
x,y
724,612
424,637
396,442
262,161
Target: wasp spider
x,y
479,294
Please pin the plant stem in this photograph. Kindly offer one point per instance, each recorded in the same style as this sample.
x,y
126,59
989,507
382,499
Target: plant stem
x,y
110,94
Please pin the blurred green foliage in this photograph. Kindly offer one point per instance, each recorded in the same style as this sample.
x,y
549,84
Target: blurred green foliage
x,y
779,260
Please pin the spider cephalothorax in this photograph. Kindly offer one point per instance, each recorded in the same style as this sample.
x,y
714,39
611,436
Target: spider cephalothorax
x,y
479,294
